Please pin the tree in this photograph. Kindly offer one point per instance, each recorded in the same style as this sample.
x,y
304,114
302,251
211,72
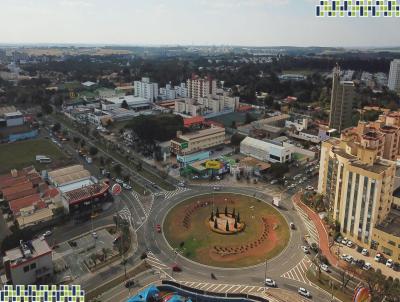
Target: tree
x,y
124,104
93,150
101,159
249,118
56,127
76,139
212,216
278,169
237,138
47,109
227,226
83,143
235,225
117,169
215,223
217,213
238,217
226,211
234,213
233,125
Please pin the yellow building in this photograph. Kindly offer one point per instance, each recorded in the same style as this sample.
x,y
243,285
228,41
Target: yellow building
x,y
197,141
357,186
386,237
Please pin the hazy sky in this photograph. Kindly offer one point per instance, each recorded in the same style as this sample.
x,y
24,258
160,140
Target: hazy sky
x,y
232,22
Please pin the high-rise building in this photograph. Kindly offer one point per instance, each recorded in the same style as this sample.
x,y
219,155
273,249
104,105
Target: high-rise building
x,y
201,87
341,102
394,76
145,89
357,186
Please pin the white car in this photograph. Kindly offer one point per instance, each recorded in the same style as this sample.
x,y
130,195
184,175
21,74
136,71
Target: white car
x,y
94,234
303,292
344,256
324,267
119,181
126,186
349,243
367,266
344,241
305,249
389,263
364,252
270,282
47,234
349,258
309,188
378,257
216,188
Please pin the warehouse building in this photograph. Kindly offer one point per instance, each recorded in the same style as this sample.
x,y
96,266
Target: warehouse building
x,y
269,151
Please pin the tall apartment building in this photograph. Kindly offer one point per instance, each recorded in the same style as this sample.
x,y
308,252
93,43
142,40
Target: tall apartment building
x,y
357,186
382,135
181,90
201,87
394,76
167,92
341,102
145,89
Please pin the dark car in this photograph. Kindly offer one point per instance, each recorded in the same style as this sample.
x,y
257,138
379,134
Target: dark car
x,y
176,268
129,283
396,266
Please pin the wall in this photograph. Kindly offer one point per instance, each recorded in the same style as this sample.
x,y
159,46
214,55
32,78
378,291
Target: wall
x,y
22,136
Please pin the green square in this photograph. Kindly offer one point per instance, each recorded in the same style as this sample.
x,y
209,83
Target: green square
x,y
322,14
398,14
377,14
341,14
333,14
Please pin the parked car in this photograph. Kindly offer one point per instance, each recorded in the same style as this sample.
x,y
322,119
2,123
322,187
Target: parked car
x,y
292,226
367,266
126,186
324,267
94,234
378,257
344,241
349,259
364,252
119,181
389,263
349,243
339,239
303,292
47,234
396,266
176,268
343,256
270,282
158,228
309,188
305,249
216,188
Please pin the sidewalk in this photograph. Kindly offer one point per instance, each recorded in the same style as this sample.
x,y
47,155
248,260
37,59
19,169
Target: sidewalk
x,y
322,233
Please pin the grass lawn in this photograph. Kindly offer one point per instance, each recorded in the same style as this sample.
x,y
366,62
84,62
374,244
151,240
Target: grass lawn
x,y
22,154
197,240
324,284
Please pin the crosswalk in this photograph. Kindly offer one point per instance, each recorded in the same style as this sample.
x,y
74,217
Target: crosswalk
x,y
299,271
311,229
170,194
230,288
126,214
159,266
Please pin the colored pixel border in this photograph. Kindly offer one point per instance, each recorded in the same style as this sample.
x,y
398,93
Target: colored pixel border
x,y
42,293
358,8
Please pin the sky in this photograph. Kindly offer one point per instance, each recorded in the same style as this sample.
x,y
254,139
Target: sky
x,y
188,22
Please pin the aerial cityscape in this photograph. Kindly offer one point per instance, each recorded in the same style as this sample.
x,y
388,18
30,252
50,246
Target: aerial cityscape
x,y
217,157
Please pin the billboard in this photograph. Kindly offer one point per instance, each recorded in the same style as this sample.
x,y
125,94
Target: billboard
x,y
184,145
213,164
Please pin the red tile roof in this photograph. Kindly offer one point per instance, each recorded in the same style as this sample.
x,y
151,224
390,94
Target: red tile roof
x,y
51,193
86,193
21,194
193,121
14,189
17,204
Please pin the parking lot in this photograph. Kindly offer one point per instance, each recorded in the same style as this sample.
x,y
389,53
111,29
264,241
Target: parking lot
x,y
73,259
340,249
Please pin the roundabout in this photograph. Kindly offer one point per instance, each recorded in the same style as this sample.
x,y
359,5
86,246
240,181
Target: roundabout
x,y
226,230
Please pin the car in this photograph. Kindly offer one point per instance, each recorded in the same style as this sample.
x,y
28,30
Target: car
x,y
126,186
292,226
129,283
274,181
218,177
396,266
303,292
158,228
339,239
116,239
270,282
176,268
349,259
378,257
364,252
305,249
47,234
119,181
389,263
216,188
367,266
344,241
349,243
94,234
195,177
175,166
309,188
324,267
181,184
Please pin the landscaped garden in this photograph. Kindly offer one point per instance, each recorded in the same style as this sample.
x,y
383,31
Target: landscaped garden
x,y
226,230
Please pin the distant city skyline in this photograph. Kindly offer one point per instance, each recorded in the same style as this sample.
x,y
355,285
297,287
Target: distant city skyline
x,y
188,22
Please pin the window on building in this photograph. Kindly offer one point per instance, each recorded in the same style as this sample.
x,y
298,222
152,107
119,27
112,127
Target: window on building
x,y
387,251
392,242
33,266
275,157
26,268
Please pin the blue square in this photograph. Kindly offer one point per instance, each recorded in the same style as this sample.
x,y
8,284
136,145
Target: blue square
x,y
385,13
357,2
322,2
349,13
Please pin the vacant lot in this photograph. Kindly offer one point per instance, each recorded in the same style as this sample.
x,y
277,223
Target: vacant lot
x,y
238,117
187,228
21,154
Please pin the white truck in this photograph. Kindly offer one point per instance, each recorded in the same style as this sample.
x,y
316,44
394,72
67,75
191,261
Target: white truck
x,y
276,201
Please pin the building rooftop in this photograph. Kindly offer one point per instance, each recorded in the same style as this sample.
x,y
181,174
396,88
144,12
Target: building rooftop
x,y
391,224
32,200
68,174
35,218
85,193
202,133
7,109
27,251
